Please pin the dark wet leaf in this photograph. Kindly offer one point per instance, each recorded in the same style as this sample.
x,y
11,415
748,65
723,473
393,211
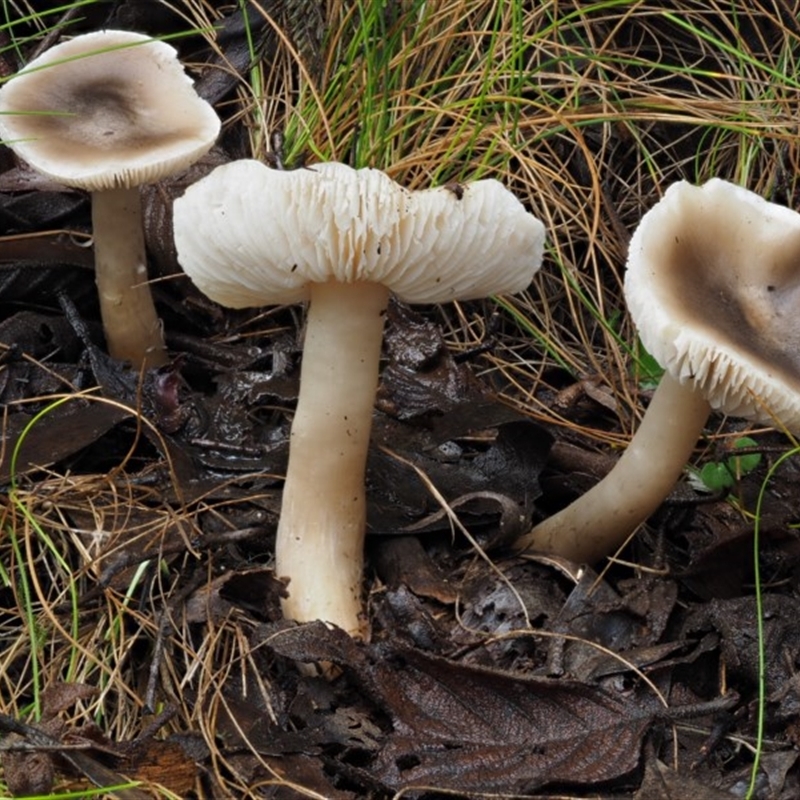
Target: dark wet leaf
x,y
478,730
239,33
37,335
58,434
157,199
737,623
781,773
45,249
572,471
721,546
145,16
312,719
662,783
314,641
421,380
34,283
292,770
508,523
26,340
652,601
255,590
22,378
594,611
500,481
602,665
493,605
37,210
403,560
410,620
230,359
472,729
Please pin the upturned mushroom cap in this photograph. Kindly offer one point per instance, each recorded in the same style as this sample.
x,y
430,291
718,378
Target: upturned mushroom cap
x,y
713,285
269,233
106,110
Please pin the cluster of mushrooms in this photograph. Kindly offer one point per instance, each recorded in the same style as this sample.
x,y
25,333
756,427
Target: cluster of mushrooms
x,y
711,285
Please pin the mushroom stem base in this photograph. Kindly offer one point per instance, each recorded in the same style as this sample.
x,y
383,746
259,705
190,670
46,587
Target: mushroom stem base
x,y
132,327
600,521
320,539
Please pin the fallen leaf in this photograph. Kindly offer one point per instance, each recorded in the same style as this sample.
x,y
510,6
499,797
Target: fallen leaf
x,y
401,560
461,728
662,783
57,434
471,729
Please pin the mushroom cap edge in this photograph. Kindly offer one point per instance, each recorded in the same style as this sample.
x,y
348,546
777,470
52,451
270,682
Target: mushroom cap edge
x,y
249,235
730,335
170,130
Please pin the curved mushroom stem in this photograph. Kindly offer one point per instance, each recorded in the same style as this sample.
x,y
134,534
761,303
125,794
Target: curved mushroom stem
x,y
320,542
132,327
598,522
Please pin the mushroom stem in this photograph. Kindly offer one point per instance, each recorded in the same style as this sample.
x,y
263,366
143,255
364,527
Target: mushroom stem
x,y
321,531
132,327
598,522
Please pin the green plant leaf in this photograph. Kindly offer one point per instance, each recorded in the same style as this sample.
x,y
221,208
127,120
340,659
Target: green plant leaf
x,y
718,475
743,465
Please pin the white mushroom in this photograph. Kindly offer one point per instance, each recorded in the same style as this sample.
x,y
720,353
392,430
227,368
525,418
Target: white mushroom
x,y
713,286
343,239
106,112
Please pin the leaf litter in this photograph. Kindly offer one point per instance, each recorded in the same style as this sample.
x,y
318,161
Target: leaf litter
x,y
156,500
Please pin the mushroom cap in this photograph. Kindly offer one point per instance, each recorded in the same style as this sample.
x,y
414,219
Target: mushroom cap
x,y
249,235
713,285
106,109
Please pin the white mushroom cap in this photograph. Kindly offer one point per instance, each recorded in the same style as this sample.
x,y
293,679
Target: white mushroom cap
x,y
713,285
106,110
267,234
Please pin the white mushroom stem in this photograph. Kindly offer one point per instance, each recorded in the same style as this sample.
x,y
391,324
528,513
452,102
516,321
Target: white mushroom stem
x,y
321,531
132,327
598,522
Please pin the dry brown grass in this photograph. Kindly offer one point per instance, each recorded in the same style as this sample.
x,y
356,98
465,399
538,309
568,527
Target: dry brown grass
x,y
617,101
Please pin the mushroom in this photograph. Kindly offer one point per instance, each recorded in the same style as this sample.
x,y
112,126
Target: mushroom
x,y
342,239
713,286
106,112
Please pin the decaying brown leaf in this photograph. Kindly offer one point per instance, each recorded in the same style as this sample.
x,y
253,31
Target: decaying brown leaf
x,y
474,729
737,623
470,729
256,590
33,771
662,783
58,434
402,560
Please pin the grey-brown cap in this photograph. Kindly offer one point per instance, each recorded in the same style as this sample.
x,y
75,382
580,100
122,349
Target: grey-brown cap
x,y
713,286
105,110
249,235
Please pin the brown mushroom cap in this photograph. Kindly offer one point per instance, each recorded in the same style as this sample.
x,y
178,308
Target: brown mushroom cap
x,y
713,285
105,110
